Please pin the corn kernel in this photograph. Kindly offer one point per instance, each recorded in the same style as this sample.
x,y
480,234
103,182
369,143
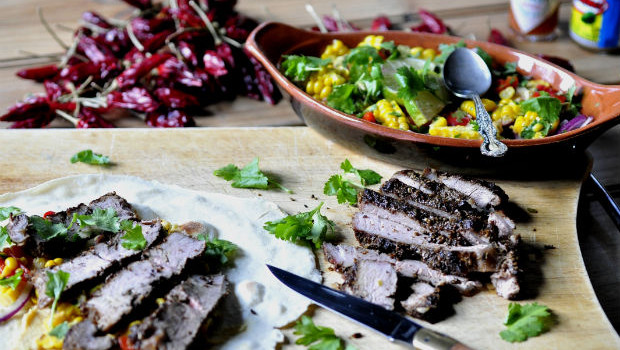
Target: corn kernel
x,y
537,127
507,93
50,263
428,54
416,51
58,261
166,225
10,264
325,92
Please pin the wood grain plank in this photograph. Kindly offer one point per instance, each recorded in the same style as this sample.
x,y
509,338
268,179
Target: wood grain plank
x,y
304,160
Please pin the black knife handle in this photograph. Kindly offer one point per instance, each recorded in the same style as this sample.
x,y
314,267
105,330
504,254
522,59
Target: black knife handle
x,y
426,339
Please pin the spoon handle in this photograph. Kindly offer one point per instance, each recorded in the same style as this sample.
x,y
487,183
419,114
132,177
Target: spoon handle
x,y
491,146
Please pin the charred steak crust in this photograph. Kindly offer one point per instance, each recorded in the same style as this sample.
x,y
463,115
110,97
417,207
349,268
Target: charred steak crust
x,y
486,194
22,232
177,321
129,288
91,266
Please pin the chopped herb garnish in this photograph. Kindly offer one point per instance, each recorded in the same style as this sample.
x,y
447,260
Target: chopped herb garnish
x,y
55,285
321,338
89,157
446,50
5,212
248,177
300,67
46,229
60,331
366,176
309,226
527,320
100,219
344,190
5,239
133,237
12,281
219,250
510,68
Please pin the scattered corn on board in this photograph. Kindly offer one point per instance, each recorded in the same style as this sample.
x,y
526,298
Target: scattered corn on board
x,y
303,161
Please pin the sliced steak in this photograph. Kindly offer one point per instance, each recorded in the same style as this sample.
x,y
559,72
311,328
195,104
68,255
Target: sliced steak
x,y
130,287
374,281
507,278
91,266
22,232
484,193
390,237
178,319
428,302
83,336
343,256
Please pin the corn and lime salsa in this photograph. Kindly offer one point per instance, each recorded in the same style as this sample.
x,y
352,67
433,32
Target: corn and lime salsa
x,y
401,87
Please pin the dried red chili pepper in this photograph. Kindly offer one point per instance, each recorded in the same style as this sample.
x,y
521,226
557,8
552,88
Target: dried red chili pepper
x,y
214,64
381,23
564,63
188,51
90,119
115,39
136,98
267,87
132,74
172,98
40,121
169,119
430,23
496,37
176,71
53,90
39,73
79,72
31,107
91,49
96,19
238,27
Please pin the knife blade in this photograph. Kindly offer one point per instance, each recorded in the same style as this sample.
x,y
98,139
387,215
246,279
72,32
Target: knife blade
x,y
389,323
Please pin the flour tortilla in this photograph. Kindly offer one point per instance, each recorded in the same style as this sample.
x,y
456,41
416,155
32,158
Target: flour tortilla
x,y
238,220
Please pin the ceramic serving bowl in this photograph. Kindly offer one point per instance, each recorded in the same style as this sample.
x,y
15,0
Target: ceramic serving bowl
x,y
270,41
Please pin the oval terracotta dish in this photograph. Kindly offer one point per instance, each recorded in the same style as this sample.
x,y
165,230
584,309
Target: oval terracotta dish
x,y
271,40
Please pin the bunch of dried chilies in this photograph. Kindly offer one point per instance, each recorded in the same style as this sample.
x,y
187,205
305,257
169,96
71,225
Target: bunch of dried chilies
x,y
163,65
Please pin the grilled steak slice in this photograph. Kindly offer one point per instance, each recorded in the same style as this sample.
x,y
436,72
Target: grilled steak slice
x,y
130,287
22,231
484,193
83,336
178,319
344,256
388,236
91,266
507,278
374,281
428,302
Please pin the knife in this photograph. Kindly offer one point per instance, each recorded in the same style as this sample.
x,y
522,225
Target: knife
x,y
389,323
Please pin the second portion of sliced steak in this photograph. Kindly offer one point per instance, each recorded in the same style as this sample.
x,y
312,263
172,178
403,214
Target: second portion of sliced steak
x,y
130,287
374,281
91,266
178,319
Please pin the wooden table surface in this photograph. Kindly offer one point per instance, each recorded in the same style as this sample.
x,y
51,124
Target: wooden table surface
x,y
21,34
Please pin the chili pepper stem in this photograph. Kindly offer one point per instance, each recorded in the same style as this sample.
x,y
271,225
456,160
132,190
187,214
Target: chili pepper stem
x,y
67,116
207,21
50,30
133,39
70,51
316,18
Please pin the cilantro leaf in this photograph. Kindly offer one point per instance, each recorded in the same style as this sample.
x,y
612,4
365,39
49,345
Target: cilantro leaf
x,y
100,219
309,226
345,191
410,81
570,94
548,109
324,338
5,212
60,331
45,229
484,55
248,177
5,239
446,50
510,68
56,283
527,320
133,237
89,157
370,85
343,98
12,281
366,176
219,250
363,55
299,68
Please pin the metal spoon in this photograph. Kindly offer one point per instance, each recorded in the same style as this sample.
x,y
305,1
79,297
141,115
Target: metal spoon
x,y
467,76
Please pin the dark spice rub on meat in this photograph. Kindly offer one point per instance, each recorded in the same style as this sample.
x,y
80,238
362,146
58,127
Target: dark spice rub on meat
x,y
91,266
177,321
22,232
129,288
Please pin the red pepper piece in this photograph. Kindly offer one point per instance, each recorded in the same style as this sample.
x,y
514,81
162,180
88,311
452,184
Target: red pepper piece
x,y
332,25
455,119
422,28
496,37
369,116
169,119
174,98
53,90
434,23
48,213
115,39
136,98
145,28
188,51
93,50
31,107
90,119
141,4
176,71
96,19
511,80
187,18
381,23
214,64
125,343
559,61
225,52
79,72
39,73
132,74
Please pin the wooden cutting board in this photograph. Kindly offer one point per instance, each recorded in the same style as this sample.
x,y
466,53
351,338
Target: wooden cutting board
x,y
303,161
